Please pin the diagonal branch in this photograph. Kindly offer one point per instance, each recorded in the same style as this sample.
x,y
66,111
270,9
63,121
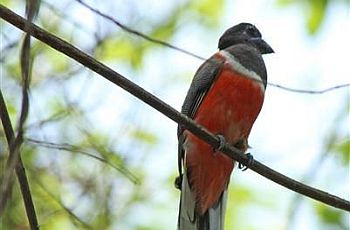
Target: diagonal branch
x,y
15,161
114,77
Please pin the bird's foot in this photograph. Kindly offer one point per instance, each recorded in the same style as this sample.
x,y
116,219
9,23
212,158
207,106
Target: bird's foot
x,y
221,144
178,182
249,162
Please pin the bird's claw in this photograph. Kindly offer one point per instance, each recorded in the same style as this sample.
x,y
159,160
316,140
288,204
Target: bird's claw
x,y
178,182
222,142
249,162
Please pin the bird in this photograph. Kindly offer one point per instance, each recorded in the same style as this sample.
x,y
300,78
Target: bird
x,y
225,97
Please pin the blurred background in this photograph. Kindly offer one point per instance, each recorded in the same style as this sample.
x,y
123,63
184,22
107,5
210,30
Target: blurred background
x,y
98,158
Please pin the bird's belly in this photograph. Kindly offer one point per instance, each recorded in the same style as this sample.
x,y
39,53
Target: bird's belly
x,y
230,109
231,106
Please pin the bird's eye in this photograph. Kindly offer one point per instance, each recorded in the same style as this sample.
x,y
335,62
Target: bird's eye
x,y
252,31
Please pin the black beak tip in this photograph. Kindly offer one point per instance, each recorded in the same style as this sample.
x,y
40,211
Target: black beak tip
x,y
261,45
265,48
269,50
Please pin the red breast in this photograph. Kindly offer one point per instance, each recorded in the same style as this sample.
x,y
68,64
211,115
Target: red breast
x,y
230,108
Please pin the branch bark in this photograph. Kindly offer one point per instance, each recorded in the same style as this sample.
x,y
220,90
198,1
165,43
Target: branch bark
x,y
15,161
116,78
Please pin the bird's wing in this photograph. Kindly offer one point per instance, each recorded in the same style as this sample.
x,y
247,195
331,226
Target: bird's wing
x,y
201,83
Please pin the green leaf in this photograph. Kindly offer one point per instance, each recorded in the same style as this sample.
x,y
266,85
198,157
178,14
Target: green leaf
x,y
238,197
317,14
343,149
59,62
209,10
144,136
329,215
284,2
165,30
124,49
5,2
314,11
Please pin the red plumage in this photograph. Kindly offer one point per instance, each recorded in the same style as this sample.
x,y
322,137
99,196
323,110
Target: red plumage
x,y
229,108
225,97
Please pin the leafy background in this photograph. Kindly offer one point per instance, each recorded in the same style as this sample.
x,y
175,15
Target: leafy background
x,y
97,158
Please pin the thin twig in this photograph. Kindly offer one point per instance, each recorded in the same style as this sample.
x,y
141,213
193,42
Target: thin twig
x,y
15,142
71,214
77,149
139,34
307,91
168,45
114,77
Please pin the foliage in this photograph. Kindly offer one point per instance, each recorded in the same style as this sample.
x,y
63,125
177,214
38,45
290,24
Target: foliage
x,y
332,219
315,11
92,167
84,176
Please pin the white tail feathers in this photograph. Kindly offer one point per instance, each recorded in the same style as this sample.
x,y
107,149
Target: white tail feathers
x,y
213,219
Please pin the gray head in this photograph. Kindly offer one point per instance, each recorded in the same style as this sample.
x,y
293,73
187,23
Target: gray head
x,y
244,33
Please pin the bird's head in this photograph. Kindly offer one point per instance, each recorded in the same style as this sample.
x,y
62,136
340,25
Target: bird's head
x,y
244,33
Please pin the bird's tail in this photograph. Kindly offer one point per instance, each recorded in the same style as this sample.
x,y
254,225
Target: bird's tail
x,y
213,219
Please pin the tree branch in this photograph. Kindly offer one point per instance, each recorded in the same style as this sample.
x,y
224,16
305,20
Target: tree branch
x,y
114,77
15,161
15,142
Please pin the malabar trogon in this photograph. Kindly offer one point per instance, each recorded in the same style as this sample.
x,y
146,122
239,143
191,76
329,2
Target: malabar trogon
x,y
225,96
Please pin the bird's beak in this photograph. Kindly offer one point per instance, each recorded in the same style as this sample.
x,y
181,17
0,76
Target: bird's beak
x,y
261,45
